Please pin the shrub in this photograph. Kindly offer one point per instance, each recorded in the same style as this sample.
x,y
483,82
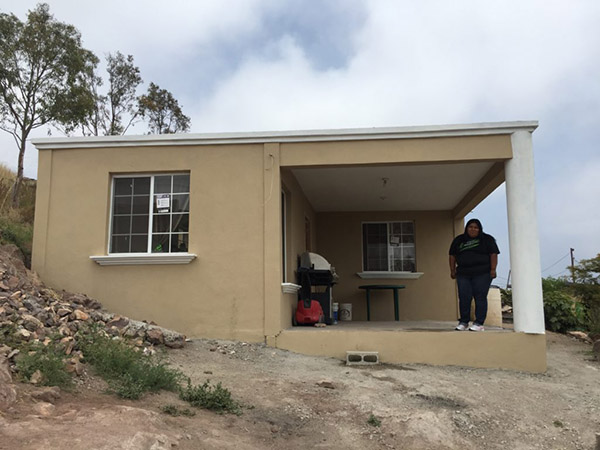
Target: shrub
x,y
8,333
554,285
506,296
589,294
213,397
14,232
49,360
128,372
562,313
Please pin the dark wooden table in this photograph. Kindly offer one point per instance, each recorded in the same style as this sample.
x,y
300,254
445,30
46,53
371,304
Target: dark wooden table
x,y
378,287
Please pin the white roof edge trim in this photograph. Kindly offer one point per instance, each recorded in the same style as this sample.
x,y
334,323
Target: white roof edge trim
x,y
259,137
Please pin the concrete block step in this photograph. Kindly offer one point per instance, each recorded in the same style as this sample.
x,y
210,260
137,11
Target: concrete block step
x,y
358,358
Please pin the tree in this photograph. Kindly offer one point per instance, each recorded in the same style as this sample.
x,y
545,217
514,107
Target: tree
x,y
588,271
116,111
43,77
162,111
124,78
587,288
92,124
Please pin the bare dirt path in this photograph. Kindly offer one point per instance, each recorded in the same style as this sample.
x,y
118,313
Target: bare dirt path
x,y
299,402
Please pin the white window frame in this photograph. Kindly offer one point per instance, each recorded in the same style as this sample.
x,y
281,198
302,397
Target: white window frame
x,y
387,274
142,257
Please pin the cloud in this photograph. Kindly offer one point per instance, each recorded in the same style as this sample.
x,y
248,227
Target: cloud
x,y
415,64
152,27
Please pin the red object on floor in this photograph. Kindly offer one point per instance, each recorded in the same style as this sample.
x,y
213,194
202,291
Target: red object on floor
x,y
308,312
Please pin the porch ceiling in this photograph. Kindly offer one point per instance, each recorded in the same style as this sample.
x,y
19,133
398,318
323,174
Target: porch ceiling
x,y
408,187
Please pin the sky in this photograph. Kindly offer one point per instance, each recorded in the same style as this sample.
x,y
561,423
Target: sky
x,y
252,65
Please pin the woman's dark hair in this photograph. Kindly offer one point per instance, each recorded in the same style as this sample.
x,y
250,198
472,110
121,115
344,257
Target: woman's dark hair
x,y
476,222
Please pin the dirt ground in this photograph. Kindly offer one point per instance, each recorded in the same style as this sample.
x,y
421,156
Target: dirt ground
x,y
298,402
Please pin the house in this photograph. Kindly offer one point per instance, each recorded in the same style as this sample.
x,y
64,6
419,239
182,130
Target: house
x,y
202,233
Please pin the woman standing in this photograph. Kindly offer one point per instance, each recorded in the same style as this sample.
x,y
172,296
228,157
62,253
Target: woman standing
x,y
473,261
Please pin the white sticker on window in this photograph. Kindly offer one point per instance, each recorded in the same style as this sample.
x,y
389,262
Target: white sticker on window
x,y
163,202
394,240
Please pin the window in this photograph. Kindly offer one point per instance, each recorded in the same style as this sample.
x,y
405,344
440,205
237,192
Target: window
x,y
150,214
389,247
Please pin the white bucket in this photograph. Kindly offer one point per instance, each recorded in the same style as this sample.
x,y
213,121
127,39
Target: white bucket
x,y
346,312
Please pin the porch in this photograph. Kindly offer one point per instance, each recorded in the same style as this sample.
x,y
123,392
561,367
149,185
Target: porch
x,y
382,207
420,342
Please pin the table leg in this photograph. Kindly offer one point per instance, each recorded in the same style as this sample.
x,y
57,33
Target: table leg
x,y
368,304
396,315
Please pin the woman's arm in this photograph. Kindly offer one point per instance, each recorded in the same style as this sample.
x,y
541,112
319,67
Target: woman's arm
x,y
452,261
493,264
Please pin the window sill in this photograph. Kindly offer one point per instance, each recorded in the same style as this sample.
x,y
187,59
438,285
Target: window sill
x,y
131,259
391,275
290,288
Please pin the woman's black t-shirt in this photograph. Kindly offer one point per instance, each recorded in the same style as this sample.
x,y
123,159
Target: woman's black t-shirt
x,y
473,254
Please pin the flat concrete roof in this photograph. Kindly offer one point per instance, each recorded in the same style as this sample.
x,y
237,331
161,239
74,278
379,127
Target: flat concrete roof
x,y
348,134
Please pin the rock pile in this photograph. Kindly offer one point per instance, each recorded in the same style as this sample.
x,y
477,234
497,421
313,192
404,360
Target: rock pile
x,y
32,312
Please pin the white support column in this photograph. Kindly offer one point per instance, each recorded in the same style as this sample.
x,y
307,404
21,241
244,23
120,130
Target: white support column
x,y
528,308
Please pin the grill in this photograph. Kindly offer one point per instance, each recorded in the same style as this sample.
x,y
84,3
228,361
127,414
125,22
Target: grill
x,y
316,278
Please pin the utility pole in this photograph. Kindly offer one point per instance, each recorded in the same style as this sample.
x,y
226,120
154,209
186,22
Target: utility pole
x,y
573,265
508,280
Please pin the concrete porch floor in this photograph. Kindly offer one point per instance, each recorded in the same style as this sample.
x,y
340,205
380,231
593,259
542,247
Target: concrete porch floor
x,y
403,325
423,342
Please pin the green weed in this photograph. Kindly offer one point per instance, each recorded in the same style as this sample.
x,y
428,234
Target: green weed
x,y
213,397
374,421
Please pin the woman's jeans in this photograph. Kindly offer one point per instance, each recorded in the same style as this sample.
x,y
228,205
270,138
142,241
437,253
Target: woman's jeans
x,y
474,286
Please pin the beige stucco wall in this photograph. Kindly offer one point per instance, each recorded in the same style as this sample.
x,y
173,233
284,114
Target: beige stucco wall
x,y
433,296
385,151
219,294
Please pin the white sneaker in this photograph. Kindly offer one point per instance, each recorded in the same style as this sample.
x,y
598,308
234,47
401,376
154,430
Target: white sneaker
x,y
476,327
461,326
